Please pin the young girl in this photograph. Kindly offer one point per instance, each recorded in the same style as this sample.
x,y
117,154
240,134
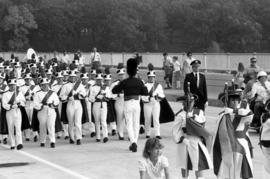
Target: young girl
x,y
153,165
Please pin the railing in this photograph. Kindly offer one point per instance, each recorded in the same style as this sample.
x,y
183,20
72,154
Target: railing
x,y
210,61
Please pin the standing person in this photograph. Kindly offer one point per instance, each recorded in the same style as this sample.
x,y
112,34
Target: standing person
x,y
11,101
167,66
133,88
95,59
45,101
190,136
98,97
151,106
154,165
74,91
176,72
252,68
3,126
119,102
197,85
239,76
187,64
232,149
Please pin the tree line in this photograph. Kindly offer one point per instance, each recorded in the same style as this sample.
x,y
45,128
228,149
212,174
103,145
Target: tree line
x,y
135,25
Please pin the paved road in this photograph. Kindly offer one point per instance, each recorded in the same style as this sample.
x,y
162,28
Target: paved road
x,y
100,161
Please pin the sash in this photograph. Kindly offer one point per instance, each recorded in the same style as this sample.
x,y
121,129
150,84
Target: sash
x,y
75,87
13,97
153,89
59,91
46,97
30,89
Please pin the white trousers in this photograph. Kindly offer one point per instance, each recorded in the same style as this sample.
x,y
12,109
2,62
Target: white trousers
x,y
89,126
74,115
29,108
119,108
100,115
152,109
14,121
47,117
2,136
132,112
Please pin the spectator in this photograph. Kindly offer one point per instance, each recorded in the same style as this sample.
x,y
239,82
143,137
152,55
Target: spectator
x,y
81,58
168,69
65,58
176,72
253,68
239,76
95,58
186,64
261,93
153,165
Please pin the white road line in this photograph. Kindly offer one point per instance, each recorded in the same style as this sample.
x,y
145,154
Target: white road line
x,y
63,169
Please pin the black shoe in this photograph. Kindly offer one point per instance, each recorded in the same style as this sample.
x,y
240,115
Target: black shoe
x,y
42,145
5,141
71,141
12,148
79,142
147,137
130,147
67,137
134,147
113,132
35,139
83,135
19,147
27,139
105,140
58,137
121,138
52,145
141,130
158,137
93,134
98,140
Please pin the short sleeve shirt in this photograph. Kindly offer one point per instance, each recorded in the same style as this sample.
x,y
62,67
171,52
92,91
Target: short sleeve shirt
x,y
154,171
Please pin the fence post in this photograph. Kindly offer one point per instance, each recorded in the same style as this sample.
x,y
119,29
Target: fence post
x,y
228,63
205,63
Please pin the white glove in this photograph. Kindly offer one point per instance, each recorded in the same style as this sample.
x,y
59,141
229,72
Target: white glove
x,y
152,99
190,114
71,98
45,106
228,110
73,93
14,106
99,96
186,141
206,104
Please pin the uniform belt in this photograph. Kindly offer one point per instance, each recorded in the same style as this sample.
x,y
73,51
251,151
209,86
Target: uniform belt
x,y
127,98
100,100
240,134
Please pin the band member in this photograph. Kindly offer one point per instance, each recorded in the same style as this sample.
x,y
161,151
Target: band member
x,y
74,91
28,91
151,106
265,139
119,103
45,101
98,96
190,135
57,87
111,115
3,124
11,101
197,85
133,88
232,150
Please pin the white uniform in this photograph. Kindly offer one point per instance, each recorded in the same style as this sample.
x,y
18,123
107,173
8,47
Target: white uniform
x,y
13,116
119,109
97,96
74,108
151,107
265,146
46,115
193,146
89,106
3,88
95,57
28,92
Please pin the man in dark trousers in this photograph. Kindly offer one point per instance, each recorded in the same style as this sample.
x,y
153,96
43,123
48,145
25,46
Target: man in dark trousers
x,y
197,85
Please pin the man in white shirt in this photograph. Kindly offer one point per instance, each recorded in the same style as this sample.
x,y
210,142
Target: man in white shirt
x,y
260,90
168,69
186,64
95,58
65,58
